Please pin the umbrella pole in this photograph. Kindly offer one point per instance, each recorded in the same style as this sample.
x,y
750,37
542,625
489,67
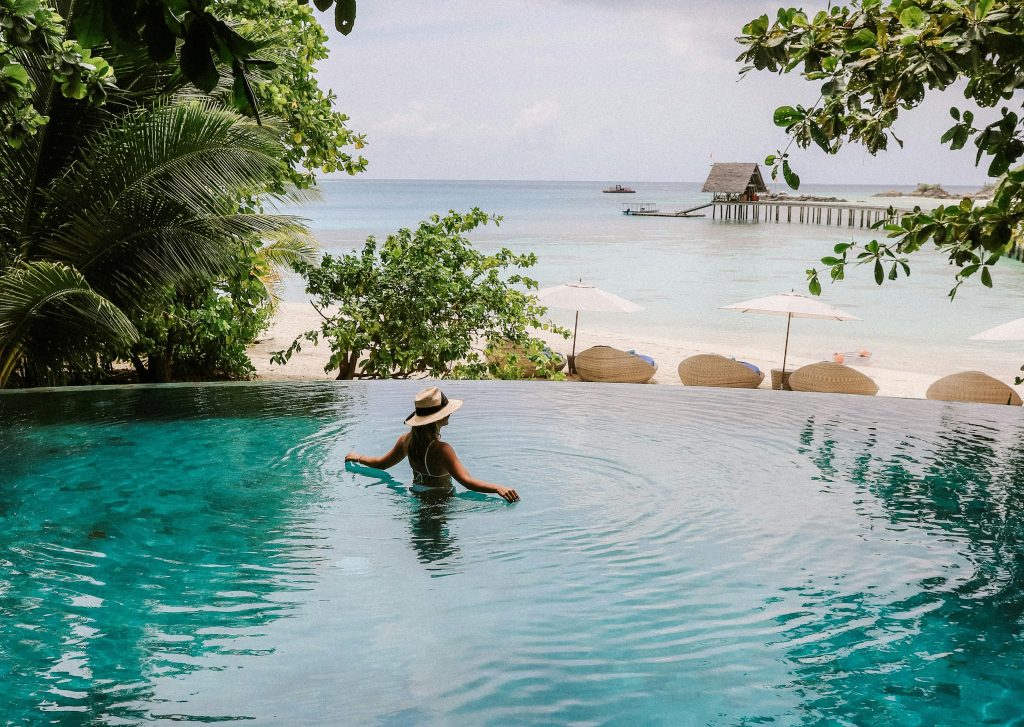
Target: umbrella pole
x,y
572,358
785,350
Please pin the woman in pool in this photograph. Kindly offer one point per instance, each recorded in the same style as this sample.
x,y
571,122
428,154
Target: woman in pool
x,y
434,462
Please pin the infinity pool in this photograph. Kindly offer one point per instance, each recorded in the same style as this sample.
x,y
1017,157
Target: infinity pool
x,y
201,553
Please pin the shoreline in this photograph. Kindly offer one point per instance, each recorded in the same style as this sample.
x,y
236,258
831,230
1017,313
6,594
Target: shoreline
x,y
293,318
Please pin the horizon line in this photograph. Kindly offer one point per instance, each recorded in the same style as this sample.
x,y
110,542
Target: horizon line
x,y
335,176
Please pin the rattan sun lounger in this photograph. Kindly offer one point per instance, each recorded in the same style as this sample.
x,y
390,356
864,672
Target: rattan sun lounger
x,y
610,365
973,386
832,378
709,369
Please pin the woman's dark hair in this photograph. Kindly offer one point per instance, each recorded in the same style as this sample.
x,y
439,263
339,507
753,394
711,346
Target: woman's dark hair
x,y
421,438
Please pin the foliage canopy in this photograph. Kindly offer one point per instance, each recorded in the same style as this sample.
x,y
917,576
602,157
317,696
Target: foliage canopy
x,y
258,54
423,302
874,59
92,237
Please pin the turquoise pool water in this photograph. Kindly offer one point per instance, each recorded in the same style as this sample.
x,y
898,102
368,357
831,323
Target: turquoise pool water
x,y
201,553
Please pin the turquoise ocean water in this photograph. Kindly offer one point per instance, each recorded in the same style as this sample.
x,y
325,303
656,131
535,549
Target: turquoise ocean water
x,y
198,554
683,270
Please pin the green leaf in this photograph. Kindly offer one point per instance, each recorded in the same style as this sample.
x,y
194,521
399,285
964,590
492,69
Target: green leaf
x,y
787,116
16,73
323,5
157,35
88,23
986,277
879,272
913,17
790,176
241,94
861,40
758,26
345,16
196,61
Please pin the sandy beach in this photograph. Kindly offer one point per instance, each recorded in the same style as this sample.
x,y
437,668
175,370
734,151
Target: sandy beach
x,y
293,318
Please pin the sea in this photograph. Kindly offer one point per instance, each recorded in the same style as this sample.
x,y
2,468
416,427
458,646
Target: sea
x,y
683,270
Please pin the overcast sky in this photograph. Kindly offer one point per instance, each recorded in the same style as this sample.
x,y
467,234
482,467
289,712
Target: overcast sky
x,y
635,90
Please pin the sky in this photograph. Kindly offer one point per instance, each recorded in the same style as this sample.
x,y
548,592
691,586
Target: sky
x,y
633,90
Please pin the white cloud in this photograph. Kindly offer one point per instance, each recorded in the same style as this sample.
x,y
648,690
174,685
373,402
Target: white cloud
x,y
539,115
596,90
418,120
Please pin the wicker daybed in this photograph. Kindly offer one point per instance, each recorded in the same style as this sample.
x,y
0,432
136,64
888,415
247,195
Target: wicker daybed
x,y
973,386
513,353
832,378
710,369
610,365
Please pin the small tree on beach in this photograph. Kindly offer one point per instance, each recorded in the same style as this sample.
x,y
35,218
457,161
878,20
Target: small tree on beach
x,y
874,59
423,302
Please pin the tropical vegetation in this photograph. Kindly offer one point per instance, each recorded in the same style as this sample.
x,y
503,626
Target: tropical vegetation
x,y
197,38
131,221
874,59
424,301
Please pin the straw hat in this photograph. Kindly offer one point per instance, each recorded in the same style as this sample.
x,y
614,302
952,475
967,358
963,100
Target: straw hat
x,y
431,406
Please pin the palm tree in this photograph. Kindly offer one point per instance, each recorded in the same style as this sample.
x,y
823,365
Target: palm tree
x,y
99,215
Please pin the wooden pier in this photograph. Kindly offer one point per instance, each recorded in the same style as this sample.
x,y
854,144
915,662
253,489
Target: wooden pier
x,y
838,214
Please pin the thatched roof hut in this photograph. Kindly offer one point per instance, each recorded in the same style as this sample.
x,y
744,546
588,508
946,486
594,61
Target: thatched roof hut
x,y
735,181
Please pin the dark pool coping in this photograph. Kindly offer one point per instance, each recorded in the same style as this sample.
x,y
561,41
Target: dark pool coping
x,y
638,392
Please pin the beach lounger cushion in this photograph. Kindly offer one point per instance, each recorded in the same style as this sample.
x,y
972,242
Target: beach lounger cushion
x,y
646,358
832,378
973,386
709,369
610,365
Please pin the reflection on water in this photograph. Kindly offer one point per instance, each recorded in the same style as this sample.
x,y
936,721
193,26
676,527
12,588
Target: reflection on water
x,y
138,547
430,533
705,557
955,643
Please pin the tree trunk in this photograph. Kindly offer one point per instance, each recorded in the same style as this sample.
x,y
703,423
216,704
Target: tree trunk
x,y
347,371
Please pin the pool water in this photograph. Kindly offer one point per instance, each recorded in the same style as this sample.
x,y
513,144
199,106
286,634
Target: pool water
x,y
202,553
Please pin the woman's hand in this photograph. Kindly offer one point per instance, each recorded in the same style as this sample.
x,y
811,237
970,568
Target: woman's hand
x,y
507,494
352,457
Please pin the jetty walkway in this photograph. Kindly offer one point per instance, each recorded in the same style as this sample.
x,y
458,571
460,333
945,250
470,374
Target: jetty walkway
x,y
838,214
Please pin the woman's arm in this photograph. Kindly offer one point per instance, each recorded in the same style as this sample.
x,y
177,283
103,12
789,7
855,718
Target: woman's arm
x,y
396,455
451,462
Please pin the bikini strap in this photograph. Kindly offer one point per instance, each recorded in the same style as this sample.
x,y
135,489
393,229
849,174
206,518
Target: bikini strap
x,y
426,455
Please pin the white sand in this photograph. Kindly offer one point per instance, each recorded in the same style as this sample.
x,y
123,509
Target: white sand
x,y
294,318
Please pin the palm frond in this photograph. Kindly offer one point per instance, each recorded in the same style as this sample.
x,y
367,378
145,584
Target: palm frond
x,y
135,251
205,158
279,255
48,312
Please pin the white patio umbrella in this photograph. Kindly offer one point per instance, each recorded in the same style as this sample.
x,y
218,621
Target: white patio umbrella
x,y
1012,331
583,296
791,305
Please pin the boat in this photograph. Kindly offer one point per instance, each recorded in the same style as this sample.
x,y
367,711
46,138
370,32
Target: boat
x,y
619,189
639,208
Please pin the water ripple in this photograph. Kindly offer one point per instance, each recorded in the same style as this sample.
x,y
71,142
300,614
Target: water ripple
x,y
198,553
